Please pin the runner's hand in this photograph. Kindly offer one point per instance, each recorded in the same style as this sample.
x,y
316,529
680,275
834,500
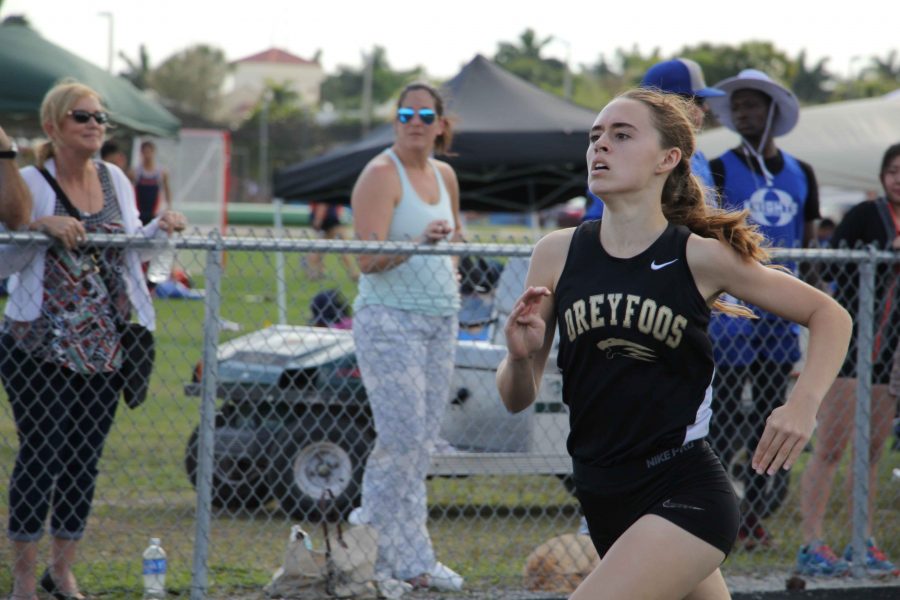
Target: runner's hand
x,y
787,431
525,327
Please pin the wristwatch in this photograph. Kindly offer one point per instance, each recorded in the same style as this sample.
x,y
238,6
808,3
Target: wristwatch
x,y
11,152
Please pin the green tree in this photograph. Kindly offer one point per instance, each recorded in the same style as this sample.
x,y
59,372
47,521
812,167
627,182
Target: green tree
x,y
812,85
720,61
292,130
524,59
880,76
597,84
138,72
16,19
344,90
887,68
192,79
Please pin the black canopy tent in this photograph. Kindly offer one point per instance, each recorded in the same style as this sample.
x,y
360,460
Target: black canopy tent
x,y
516,147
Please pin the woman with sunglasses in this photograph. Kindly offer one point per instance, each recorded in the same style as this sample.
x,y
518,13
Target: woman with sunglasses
x,y
59,341
632,294
405,329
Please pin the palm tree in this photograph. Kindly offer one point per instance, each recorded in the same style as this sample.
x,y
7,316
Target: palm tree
x,y
530,48
811,84
525,60
889,68
138,72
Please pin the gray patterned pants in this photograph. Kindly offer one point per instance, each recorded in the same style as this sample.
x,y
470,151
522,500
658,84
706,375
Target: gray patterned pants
x,y
406,360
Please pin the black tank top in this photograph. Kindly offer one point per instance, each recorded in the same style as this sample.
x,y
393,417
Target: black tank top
x,y
634,353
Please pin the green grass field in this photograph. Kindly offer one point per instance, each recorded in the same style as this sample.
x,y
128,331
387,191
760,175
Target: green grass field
x,y
143,490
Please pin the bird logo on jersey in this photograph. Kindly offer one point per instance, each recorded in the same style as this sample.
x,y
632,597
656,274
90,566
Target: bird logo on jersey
x,y
619,347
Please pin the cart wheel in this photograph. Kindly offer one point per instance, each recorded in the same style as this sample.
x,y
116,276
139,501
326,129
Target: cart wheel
x,y
240,464
323,452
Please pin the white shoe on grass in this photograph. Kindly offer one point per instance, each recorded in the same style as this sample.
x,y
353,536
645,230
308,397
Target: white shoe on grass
x,y
444,578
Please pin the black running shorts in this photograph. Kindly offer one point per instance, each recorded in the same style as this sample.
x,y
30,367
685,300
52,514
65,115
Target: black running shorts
x,y
685,485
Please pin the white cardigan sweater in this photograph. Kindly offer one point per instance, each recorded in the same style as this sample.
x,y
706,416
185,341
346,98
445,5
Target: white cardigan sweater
x,y
24,265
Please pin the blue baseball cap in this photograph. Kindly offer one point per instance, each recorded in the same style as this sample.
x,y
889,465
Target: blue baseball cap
x,y
679,76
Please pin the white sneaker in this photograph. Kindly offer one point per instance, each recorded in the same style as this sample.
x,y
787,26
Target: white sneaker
x,y
444,578
356,516
442,446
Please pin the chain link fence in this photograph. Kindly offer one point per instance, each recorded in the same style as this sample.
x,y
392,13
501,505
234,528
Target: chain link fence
x,y
257,408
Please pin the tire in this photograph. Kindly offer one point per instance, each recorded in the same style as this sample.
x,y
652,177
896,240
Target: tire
x,y
322,452
240,467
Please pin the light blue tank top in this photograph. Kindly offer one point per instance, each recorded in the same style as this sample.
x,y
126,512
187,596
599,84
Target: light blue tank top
x,y
422,284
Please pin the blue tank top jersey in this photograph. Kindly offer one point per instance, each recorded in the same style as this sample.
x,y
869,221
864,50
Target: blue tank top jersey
x,y
635,357
700,168
778,209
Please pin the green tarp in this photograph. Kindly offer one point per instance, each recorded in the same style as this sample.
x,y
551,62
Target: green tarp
x,y
31,65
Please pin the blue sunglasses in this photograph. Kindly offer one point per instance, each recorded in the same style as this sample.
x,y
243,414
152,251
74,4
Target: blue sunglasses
x,y
427,115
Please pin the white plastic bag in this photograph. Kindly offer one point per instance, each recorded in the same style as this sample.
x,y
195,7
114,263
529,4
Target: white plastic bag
x,y
345,569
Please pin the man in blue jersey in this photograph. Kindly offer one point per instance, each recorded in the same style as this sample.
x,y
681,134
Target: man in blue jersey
x,y
681,76
754,359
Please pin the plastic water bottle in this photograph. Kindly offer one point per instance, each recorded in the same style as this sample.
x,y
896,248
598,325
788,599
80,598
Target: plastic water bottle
x,y
160,268
154,570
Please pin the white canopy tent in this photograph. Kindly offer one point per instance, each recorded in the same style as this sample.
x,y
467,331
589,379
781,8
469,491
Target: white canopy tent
x,y
843,141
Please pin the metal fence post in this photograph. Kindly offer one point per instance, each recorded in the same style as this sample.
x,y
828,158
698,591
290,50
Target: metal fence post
x,y
281,278
206,432
862,434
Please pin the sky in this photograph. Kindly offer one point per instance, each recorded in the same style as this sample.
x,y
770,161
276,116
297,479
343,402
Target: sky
x,y
443,36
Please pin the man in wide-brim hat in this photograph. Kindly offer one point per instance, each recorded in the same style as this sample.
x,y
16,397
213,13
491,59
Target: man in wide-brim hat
x,y
782,197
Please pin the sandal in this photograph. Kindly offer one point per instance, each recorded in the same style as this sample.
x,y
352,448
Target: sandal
x,y
49,586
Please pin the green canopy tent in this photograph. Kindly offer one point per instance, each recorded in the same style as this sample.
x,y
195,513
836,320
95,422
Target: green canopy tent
x,y
31,65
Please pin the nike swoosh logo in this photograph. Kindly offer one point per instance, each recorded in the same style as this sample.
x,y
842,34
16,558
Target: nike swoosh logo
x,y
670,504
657,267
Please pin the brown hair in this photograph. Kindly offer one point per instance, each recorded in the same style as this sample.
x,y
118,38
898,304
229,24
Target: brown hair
x,y
683,197
55,107
443,141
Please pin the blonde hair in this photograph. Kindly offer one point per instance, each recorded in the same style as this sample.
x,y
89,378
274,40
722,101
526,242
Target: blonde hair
x,y
55,107
683,197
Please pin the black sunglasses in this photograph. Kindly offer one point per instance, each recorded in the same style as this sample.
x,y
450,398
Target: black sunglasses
x,y
83,116
405,115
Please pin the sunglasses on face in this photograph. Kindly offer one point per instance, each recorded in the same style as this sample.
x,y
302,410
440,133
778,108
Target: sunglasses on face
x,y
83,116
427,115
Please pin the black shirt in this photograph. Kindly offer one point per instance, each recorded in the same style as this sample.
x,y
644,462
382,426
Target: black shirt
x,y
634,353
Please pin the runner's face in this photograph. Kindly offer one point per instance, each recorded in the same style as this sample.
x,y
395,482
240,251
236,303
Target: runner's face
x,y
624,148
